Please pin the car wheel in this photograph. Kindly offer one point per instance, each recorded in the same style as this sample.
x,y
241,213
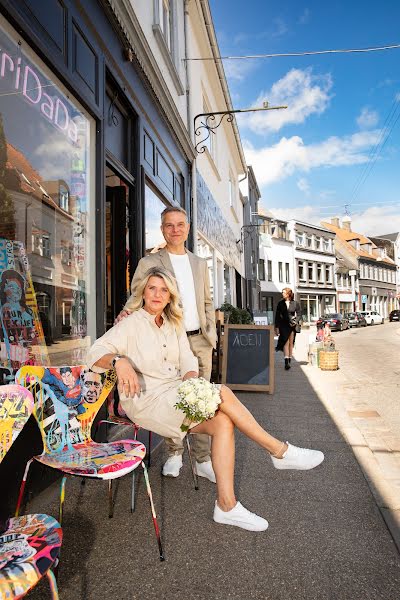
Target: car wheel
x,y
341,327
372,321
383,320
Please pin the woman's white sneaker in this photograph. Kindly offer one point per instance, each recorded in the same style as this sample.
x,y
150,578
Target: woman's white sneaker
x,y
206,470
239,516
301,459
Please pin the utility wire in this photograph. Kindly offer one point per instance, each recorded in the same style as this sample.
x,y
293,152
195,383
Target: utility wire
x,y
309,53
390,122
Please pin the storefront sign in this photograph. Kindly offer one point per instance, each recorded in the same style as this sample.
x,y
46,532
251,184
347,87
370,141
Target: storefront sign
x,y
29,82
364,298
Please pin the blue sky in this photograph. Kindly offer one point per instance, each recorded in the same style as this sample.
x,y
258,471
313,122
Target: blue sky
x,y
320,154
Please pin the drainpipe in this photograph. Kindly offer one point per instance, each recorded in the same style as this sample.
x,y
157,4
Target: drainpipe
x,y
189,115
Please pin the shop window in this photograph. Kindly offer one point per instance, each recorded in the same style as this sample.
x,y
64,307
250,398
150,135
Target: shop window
x,y
154,206
46,214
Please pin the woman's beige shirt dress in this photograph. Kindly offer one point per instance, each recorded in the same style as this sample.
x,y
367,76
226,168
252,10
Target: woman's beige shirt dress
x,y
160,357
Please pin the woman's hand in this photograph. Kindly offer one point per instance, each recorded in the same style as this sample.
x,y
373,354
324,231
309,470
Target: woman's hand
x,y
276,330
128,382
190,375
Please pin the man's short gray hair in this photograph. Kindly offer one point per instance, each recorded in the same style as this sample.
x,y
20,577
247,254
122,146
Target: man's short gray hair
x,y
171,209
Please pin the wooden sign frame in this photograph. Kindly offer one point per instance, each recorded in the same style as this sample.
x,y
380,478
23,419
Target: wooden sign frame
x,y
247,387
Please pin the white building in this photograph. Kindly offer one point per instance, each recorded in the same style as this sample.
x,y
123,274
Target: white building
x,y
394,253
275,269
314,269
175,30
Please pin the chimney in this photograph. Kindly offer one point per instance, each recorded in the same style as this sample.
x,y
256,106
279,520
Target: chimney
x,y
335,221
346,222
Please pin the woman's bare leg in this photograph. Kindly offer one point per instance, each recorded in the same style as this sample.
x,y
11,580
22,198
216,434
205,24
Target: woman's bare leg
x,y
286,348
221,430
291,342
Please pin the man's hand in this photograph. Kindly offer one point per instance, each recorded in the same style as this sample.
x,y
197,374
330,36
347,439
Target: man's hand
x,y
128,382
122,315
276,330
190,375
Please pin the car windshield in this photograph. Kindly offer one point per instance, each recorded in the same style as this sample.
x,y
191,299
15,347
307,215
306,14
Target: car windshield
x,y
331,316
352,314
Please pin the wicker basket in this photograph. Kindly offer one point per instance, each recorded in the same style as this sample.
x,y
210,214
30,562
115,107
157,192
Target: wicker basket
x,y
328,361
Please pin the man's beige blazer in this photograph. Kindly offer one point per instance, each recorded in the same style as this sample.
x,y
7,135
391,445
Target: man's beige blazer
x,y
204,303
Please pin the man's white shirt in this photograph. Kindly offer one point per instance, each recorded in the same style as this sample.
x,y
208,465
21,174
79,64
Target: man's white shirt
x,y
184,277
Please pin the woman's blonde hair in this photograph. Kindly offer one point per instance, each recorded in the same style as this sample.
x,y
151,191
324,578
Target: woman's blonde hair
x,y
289,292
173,311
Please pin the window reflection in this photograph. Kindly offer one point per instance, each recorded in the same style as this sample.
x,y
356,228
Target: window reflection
x,y
44,208
153,209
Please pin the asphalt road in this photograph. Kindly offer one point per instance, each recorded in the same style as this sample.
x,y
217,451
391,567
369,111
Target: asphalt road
x,y
370,358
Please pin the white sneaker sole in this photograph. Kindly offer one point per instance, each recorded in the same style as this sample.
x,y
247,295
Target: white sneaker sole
x,y
242,525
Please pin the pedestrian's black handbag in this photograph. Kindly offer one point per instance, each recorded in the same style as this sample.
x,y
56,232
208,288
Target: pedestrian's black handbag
x,y
294,322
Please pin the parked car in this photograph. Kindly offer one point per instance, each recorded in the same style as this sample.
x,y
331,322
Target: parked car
x,y
394,315
372,317
356,319
337,321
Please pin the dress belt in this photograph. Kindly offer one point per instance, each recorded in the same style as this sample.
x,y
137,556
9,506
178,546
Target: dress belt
x,y
194,332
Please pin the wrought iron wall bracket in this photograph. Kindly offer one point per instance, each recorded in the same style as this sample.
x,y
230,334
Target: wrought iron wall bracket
x,y
211,122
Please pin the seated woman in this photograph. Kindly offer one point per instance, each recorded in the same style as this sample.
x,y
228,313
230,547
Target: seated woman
x,y
151,355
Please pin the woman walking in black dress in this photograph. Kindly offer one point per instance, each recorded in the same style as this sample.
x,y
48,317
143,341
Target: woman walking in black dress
x,y
287,319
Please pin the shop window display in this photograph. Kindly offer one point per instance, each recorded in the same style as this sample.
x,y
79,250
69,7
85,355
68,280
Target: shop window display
x,y
46,235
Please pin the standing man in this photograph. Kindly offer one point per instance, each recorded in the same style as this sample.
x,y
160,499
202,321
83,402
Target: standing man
x,y
191,274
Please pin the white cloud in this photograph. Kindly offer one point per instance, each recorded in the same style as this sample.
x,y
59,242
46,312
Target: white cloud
x,y
280,27
291,155
367,118
303,186
304,17
304,94
371,221
238,70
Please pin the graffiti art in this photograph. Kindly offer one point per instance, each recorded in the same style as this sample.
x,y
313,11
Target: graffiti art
x,y
22,340
67,400
16,406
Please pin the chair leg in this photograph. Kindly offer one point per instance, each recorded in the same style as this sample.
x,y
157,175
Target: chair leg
x,y
194,473
153,512
22,488
110,499
53,584
133,492
62,498
149,452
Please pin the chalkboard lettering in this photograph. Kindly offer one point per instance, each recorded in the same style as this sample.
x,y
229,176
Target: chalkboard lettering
x,y
248,357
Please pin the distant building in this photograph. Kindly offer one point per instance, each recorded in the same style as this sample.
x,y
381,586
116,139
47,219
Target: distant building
x,y
314,269
391,242
275,266
376,270
249,240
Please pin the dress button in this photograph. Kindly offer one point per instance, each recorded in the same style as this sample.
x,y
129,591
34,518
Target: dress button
x,y
164,345
165,359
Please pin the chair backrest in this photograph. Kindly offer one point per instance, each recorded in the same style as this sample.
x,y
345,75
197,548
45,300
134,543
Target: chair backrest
x,y
67,399
16,406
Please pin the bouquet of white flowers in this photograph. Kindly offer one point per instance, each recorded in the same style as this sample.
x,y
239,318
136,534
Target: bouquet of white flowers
x,y
198,399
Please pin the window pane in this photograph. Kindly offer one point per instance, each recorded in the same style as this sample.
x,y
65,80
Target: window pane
x,y
46,215
153,209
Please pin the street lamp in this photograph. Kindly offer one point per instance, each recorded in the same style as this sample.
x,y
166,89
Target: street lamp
x,y
211,122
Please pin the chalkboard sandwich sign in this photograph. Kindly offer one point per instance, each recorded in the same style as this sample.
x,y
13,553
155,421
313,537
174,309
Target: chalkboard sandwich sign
x,y
248,357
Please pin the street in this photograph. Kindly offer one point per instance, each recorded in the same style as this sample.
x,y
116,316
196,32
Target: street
x,y
362,397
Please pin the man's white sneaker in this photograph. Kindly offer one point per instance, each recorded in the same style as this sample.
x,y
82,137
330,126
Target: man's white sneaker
x,y
298,458
172,466
239,516
205,469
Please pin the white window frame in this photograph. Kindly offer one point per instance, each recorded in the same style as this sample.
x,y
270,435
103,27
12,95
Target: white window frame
x,y
168,45
287,272
280,272
310,266
300,267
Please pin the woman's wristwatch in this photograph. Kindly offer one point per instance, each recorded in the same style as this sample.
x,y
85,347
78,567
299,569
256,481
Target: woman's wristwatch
x,y
116,358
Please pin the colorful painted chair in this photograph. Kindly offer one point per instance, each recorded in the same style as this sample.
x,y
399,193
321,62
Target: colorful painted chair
x,y
116,419
29,545
67,400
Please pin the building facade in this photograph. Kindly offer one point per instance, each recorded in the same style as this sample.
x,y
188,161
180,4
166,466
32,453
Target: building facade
x,y
376,270
276,262
391,243
249,241
314,269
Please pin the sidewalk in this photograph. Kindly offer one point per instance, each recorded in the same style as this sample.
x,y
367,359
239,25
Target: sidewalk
x,y
327,539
